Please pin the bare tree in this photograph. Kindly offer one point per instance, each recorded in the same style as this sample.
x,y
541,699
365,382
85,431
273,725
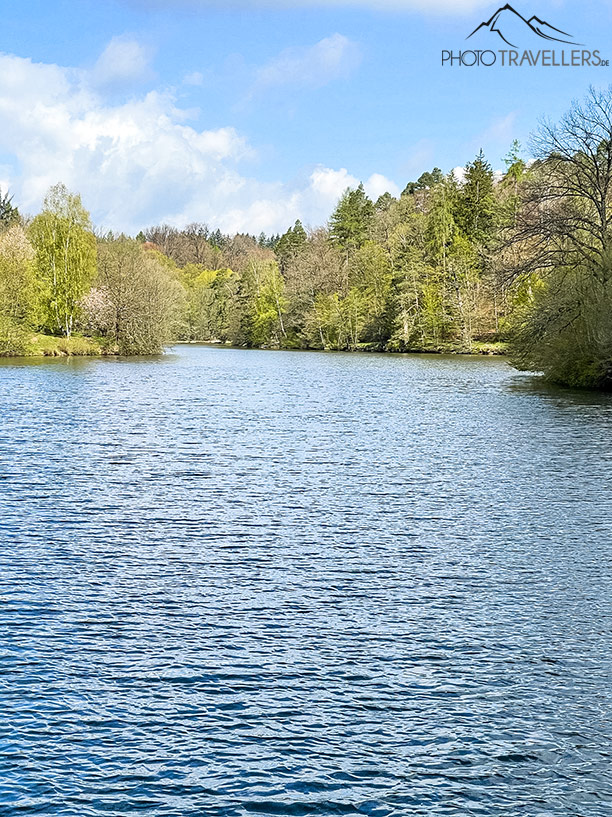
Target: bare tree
x,y
565,219
558,254
135,300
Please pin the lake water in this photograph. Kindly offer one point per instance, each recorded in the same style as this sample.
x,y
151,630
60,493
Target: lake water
x,y
244,582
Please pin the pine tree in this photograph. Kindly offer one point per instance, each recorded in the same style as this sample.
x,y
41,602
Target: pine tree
x,y
425,181
9,215
351,221
475,208
289,245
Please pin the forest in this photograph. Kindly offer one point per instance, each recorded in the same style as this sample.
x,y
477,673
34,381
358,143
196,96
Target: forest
x,y
478,262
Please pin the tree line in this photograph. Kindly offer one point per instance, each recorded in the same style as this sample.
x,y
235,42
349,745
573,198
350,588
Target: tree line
x,y
520,258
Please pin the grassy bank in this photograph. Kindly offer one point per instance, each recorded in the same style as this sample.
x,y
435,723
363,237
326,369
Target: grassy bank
x,y
477,348
38,345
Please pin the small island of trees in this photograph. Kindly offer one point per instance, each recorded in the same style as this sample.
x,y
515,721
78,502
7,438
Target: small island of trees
x,y
519,261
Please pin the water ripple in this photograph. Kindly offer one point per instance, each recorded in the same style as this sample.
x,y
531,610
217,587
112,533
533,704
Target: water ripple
x,y
237,583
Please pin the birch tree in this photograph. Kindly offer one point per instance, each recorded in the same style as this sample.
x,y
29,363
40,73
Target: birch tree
x,y
65,257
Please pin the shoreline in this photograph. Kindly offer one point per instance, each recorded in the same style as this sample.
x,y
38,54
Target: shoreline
x,y
47,346
493,349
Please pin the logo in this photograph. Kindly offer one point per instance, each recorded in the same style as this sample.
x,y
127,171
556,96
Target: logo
x,y
507,22
507,27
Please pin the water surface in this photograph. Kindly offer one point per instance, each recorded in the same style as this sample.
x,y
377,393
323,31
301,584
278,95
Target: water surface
x,y
246,582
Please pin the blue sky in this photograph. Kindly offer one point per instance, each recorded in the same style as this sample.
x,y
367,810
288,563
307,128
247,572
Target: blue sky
x,y
248,115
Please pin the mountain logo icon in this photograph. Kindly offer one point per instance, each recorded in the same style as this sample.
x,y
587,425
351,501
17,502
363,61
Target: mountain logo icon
x,y
510,25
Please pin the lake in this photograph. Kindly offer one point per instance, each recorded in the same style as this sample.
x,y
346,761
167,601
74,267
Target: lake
x,y
241,582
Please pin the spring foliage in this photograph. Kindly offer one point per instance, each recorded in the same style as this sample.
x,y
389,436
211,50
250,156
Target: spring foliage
x,y
452,264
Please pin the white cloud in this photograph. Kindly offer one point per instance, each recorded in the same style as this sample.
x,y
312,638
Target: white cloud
x,y
459,174
377,184
313,66
277,206
331,184
123,61
141,162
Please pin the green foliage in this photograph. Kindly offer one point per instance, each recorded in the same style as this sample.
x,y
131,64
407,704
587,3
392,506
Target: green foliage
x,y
559,248
65,257
13,338
425,181
516,166
19,291
263,289
329,317
372,279
563,327
397,274
351,221
289,245
9,215
136,301
270,306
475,203
441,226
428,271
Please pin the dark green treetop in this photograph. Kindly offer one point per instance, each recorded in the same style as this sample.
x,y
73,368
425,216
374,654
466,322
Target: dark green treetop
x,y
352,220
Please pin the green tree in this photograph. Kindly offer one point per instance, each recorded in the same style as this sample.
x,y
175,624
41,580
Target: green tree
x,y
226,310
440,236
475,203
317,270
136,299
441,225
562,243
371,277
516,169
268,305
9,215
65,256
329,318
289,245
19,293
410,270
425,181
351,221
464,289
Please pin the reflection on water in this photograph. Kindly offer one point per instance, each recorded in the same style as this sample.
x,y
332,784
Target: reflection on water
x,y
245,582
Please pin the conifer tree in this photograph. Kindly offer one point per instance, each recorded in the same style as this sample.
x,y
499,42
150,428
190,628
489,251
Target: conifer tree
x,y
475,206
351,221
9,215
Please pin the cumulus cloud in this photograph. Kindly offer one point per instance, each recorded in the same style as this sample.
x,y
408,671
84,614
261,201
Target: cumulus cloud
x,y
276,206
140,161
314,66
459,174
331,184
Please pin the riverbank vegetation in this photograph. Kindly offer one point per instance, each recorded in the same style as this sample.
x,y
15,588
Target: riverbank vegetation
x,y
464,262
